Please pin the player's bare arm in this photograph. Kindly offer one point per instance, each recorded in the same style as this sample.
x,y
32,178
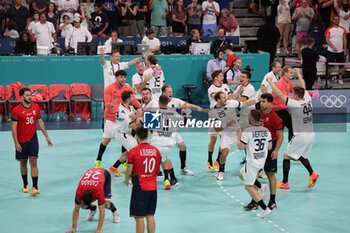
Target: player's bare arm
x,y
279,142
43,129
300,78
277,91
102,55
128,174
101,208
14,135
75,219
240,145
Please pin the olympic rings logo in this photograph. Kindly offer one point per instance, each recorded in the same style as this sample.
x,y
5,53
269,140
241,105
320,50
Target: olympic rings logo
x,y
333,101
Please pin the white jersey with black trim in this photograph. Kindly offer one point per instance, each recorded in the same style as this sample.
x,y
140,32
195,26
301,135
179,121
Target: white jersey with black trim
x,y
123,118
274,78
151,106
226,114
109,69
168,118
155,83
248,92
301,111
257,139
214,89
175,103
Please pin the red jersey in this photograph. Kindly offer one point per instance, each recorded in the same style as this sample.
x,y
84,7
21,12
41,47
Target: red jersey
x,y
286,87
26,118
229,61
93,180
146,165
114,90
272,122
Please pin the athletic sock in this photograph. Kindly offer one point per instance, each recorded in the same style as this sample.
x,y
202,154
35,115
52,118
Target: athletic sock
x,y
172,174
117,164
123,149
35,182
183,159
210,158
221,167
100,152
286,167
272,198
92,207
112,208
218,158
25,180
262,204
257,184
306,164
166,174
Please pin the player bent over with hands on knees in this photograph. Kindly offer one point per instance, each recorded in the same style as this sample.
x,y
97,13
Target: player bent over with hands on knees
x,y
95,185
23,124
143,167
257,141
300,146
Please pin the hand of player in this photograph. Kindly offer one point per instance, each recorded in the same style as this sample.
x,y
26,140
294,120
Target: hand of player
x,y
205,110
139,113
102,50
158,67
18,147
296,70
231,122
133,116
34,38
71,230
49,143
274,155
269,80
240,88
97,231
239,133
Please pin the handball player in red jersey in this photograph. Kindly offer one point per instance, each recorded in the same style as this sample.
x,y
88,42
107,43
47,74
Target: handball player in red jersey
x,y
143,167
23,123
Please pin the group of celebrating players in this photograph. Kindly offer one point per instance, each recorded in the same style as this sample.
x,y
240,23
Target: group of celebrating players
x,y
251,121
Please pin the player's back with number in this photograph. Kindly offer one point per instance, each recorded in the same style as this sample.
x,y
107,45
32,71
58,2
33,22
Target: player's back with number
x,y
146,165
257,139
26,119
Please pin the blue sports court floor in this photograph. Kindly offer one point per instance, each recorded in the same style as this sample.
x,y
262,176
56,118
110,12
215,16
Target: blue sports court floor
x,y
198,204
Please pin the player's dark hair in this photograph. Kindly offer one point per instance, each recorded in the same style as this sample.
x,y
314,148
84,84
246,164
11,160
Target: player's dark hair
x,y
217,95
87,197
267,96
215,74
165,87
255,114
152,59
146,89
142,133
114,51
163,100
21,92
246,72
229,47
299,91
126,95
120,73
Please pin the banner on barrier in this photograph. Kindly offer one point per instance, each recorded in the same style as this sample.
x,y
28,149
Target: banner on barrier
x,y
332,101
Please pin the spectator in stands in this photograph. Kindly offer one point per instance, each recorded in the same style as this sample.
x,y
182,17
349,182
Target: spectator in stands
x,y
44,33
228,22
112,9
99,22
33,22
140,16
284,23
303,16
336,50
159,13
179,15
217,63
309,58
113,39
128,18
194,11
195,38
325,8
264,5
77,34
221,42
40,6
24,46
268,37
2,19
169,17
65,26
211,10
149,39
67,7
316,31
89,5
19,15
11,30
230,57
84,15
232,75
344,15
52,15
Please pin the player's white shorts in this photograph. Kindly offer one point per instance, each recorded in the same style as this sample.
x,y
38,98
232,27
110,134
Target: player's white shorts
x,y
163,144
300,145
126,140
178,138
249,173
212,132
227,139
109,129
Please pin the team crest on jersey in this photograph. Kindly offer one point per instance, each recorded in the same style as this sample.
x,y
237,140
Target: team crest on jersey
x,y
152,120
34,112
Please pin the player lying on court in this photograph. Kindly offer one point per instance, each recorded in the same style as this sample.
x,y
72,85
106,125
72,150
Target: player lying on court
x,y
95,185
257,141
